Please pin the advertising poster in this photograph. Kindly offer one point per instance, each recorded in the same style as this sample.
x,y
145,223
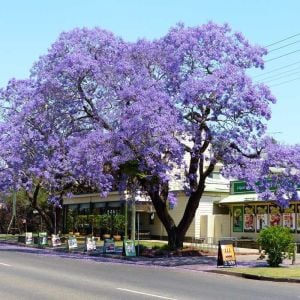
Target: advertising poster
x,y
90,244
275,215
72,242
55,239
43,238
28,238
298,218
249,218
289,218
261,217
226,254
129,248
109,246
237,216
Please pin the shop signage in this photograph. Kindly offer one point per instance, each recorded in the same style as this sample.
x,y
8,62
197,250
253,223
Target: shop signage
x,y
109,246
226,254
129,248
240,187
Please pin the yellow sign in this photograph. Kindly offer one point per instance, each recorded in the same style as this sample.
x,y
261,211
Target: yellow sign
x,y
226,255
228,252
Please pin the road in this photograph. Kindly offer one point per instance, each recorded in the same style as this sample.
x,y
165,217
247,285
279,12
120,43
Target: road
x,y
31,276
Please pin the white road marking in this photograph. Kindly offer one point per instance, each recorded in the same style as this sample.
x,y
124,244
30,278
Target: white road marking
x,y
6,265
141,293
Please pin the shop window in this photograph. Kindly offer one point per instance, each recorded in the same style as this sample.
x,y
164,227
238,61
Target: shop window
x,y
84,209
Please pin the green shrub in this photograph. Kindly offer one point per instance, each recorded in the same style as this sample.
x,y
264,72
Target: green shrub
x,y
276,242
118,223
105,223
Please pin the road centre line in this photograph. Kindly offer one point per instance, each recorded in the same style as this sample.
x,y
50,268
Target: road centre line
x,y
146,294
6,265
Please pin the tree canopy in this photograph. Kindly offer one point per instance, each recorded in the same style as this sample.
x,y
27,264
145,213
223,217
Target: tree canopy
x,y
103,111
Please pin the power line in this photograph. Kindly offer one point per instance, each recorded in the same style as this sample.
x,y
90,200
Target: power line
x,y
289,37
284,82
281,77
268,60
277,69
279,74
284,46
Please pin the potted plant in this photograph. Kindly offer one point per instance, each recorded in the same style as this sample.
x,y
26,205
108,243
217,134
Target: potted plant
x,y
118,226
105,222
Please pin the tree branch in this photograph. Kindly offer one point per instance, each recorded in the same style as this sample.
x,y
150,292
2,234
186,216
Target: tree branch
x,y
253,155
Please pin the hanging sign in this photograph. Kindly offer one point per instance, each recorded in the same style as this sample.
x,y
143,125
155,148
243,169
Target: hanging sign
x,y
226,254
129,248
109,246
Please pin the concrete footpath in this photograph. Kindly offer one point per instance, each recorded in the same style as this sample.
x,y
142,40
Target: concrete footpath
x,y
246,258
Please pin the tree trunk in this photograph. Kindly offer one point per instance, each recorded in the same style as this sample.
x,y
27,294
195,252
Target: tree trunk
x,y
33,199
175,239
58,212
176,234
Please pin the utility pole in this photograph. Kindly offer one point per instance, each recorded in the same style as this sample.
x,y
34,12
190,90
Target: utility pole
x,y
126,219
133,215
13,225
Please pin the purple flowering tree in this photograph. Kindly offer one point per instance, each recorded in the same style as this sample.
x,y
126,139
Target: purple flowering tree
x,y
219,114
127,114
34,149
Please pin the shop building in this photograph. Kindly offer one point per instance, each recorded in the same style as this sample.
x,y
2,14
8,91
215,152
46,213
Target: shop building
x,y
226,210
249,214
211,222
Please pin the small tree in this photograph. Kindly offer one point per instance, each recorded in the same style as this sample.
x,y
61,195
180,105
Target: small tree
x,y
105,223
276,241
118,223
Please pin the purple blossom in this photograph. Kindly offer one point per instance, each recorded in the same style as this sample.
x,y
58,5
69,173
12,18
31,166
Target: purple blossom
x,y
97,108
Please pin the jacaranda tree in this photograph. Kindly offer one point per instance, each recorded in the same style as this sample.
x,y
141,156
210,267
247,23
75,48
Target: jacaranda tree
x,y
128,114
34,148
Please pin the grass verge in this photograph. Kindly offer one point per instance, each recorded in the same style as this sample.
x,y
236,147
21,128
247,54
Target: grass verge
x,y
280,272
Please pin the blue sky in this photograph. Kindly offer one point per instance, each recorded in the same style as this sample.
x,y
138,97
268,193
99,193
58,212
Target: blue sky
x,y
28,28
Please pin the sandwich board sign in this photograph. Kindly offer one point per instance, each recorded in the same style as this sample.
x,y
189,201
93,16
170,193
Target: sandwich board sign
x,y
226,254
90,244
28,238
43,238
129,248
109,246
72,242
55,239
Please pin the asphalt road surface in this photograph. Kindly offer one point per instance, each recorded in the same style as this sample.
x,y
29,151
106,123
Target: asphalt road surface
x,y
31,276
